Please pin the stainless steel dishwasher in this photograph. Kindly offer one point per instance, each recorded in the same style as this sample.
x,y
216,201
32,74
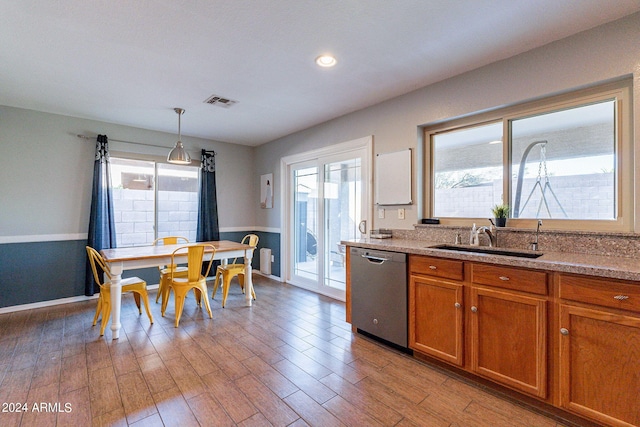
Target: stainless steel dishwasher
x,y
379,294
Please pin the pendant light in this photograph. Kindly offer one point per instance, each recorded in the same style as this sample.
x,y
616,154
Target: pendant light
x,y
179,155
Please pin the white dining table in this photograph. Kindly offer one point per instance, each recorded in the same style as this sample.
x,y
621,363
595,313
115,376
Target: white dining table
x,y
131,258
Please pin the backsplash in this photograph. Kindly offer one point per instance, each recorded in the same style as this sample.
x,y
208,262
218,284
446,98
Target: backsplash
x,y
586,242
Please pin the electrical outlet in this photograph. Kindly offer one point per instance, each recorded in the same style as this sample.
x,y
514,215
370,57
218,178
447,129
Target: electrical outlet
x,y
401,213
381,213
272,258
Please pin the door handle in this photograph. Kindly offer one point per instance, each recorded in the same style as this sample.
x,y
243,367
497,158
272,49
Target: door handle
x,y
362,227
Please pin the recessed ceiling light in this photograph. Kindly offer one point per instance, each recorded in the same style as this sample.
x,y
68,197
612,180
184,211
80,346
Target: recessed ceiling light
x,y
326,61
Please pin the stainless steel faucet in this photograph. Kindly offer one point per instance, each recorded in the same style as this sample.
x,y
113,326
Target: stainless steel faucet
x,y
534,245
491,232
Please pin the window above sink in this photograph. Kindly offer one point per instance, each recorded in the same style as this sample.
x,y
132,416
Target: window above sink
x,y
566,159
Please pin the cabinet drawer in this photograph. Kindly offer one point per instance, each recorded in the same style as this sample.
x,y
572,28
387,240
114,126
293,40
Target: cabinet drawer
x,y
510,278
604,292
438,267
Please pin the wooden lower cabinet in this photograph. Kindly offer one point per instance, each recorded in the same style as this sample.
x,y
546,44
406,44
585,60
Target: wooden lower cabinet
x,y
435,318
569,340
600,365
507,330
509,339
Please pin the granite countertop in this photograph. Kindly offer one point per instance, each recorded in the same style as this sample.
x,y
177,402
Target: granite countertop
x,y
593,265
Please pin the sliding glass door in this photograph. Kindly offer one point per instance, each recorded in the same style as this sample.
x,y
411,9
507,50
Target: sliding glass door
x,y
342,216
328,204
305,222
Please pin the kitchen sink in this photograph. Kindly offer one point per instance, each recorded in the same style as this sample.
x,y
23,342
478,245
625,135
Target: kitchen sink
x,y
488,250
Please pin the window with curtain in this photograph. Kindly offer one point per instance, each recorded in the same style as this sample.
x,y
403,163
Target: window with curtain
x,y
153,199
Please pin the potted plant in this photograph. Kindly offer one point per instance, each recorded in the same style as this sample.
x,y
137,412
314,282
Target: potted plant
x,y
500,213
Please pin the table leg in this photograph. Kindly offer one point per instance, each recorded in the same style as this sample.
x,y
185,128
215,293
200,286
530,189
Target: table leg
x,y
248,280
116,299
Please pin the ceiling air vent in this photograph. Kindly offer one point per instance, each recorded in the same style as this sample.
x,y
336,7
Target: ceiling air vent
x,y
220,101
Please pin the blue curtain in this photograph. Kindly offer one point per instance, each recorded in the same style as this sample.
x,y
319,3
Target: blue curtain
x,y
102,229
208,228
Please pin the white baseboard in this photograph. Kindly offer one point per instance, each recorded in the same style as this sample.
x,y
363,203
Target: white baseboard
x,y
270,276
53,302
50,303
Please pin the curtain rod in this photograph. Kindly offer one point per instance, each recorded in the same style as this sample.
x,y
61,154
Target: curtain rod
x,y
88,138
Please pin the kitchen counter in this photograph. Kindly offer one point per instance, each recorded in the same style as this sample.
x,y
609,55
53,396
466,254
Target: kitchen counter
x,y
623,268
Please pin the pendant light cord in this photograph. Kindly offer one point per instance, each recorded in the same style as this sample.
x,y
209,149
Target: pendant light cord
x,y
179,125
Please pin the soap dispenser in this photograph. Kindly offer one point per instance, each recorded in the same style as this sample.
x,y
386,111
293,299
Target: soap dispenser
x,y
473,238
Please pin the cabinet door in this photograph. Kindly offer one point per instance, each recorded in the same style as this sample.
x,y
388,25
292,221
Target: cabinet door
x,y
435,318
600,365
508,339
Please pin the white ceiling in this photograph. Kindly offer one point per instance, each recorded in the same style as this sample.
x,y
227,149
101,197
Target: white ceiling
x,y
131,62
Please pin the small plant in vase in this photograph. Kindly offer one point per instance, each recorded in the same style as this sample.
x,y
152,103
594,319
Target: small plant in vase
x,y
500,213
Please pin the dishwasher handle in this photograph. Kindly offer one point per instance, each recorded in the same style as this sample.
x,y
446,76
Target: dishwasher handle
x,y
374,259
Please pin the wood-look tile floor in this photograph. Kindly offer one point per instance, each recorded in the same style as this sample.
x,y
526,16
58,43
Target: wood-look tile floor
x,y
290,360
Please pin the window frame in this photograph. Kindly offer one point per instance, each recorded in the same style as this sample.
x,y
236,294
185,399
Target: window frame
x,y
620,91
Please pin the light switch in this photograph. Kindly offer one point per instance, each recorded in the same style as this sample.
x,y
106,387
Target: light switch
x,y
381,213
401,213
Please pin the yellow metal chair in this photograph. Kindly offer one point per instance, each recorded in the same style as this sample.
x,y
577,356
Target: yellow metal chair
x,y
195,279
178,271
131,284
229,271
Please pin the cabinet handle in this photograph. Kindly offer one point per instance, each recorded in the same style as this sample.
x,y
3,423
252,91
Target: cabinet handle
x,y
503,278
474,309
564,331
433,267
621,297
457,305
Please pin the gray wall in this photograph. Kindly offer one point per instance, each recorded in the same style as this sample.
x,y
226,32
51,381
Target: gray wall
x,y
45,196
46,171
607,52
